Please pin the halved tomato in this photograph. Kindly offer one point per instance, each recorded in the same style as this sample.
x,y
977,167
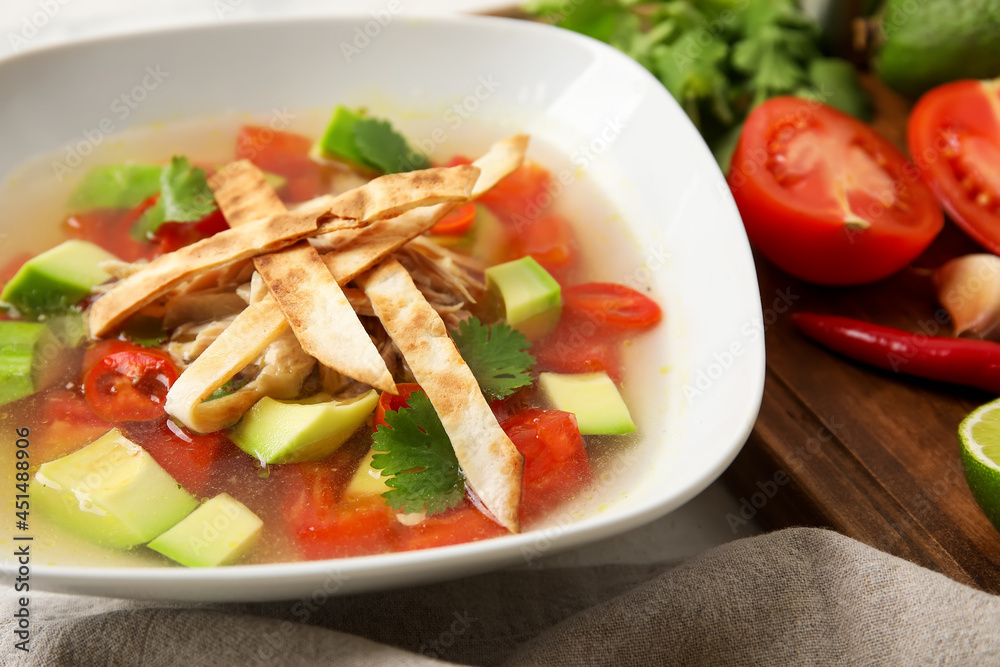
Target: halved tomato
x,y
954,137
827,198
126,382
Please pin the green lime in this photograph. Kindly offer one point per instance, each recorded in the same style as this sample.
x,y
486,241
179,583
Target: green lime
x,y
979,434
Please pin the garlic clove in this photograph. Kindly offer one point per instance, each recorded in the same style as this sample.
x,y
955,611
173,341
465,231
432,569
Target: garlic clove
x,y
969,289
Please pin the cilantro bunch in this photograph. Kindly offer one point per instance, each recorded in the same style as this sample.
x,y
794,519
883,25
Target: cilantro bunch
x,y
718,58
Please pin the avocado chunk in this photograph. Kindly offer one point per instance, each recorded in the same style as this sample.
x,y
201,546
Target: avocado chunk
x,y
57,279
337,141
367,481
21,344
115,186
287,432
592,397
531,298
111,492
217,533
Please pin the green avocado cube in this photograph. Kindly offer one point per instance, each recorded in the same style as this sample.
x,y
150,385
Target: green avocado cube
x,y
57,279
111,492
217,533
592,397
531,297
337,141
367,481
21,345
287,432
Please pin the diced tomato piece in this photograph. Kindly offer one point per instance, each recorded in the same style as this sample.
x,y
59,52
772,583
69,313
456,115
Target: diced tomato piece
x,y
66,424
579,345
174,235
462,524
549,239
127,382
611,305
285,154
188,457
556,465
457,222
521,195
323,528
109,229
389,402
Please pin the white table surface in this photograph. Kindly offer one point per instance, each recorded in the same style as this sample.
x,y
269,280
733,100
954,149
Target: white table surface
x,y
703,523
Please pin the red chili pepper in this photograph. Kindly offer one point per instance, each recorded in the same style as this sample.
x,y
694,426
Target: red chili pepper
x,y
975,363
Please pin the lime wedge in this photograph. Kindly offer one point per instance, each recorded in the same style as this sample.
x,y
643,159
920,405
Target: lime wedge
x,y
979,434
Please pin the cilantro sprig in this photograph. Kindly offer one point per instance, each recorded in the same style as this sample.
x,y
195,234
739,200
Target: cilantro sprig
x,y
718,58
184,197
384,148
417,452
497,355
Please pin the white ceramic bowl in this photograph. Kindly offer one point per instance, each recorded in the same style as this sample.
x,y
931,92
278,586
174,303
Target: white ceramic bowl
x,y
695,383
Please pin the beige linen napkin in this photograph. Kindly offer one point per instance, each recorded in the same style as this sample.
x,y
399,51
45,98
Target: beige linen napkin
x,y
798,596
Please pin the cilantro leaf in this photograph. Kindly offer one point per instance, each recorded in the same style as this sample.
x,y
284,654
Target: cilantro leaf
x,y
184,197
498,356
418,452
385,149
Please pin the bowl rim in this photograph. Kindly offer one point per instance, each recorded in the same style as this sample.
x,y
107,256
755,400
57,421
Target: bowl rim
x,y
491,554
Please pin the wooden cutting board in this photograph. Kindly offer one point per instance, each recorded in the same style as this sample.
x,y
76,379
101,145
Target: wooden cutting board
x,y
869,453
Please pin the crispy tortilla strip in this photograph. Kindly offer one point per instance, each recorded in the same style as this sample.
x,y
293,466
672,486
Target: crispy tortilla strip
x,y
313,303
491,462
238,192
393,194
254,329
358,250
167,271
381,198
321,316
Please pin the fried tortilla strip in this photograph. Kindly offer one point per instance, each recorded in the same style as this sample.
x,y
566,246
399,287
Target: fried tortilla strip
x,y
260,324
491,462
167,271
321,316
313,303
358,250
384,197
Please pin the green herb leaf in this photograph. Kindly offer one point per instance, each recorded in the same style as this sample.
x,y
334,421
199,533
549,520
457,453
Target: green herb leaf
x,y
231,386
417,451
184,197
115,186
498,356
385,149
145,330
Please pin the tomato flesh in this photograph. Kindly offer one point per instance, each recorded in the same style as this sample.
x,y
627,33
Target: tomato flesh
x,y
954,136
612,304
391,402
556,465
826,198
549,239
457,222
578,346
188,457
285,154
462,524
126,382
521,195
